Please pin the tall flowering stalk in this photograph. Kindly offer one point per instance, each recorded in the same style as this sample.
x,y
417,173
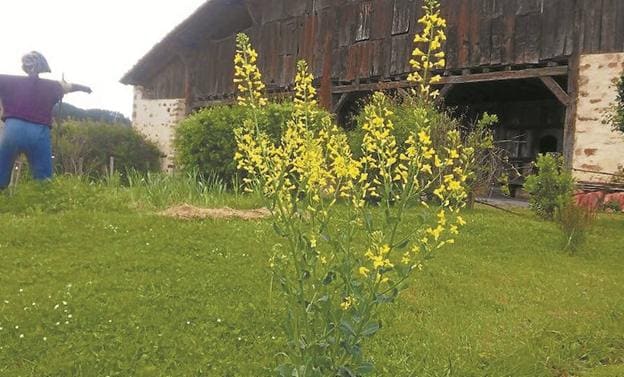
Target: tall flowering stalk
x,y
433,57
347,249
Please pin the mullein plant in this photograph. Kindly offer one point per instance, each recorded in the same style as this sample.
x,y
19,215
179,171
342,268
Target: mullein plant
x,y
348,249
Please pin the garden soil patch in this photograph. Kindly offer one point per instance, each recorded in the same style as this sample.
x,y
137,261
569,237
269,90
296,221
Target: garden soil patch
x,y
189,212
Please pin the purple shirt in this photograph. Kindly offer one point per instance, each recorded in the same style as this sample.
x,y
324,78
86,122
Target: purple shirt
x,y
29,98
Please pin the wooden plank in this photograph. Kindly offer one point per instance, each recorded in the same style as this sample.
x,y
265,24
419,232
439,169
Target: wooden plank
x,y
526,7
402,13
364,20
475,28
550,24
534,36
556,90
289,36
619,27
485,31
509,29
557,29
401,50
462,79
339,61
608,25
463,35
294,9
520,39
381,23
449,12
346,25
590,30
273,11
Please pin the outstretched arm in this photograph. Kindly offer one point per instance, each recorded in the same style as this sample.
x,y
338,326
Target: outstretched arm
x,y
71,88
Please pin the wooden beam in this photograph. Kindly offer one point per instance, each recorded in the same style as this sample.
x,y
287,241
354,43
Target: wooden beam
x,y
556,89
460,79
446,89
341,102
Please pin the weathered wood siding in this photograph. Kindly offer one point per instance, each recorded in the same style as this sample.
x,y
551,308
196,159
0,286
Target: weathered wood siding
x,y
372,39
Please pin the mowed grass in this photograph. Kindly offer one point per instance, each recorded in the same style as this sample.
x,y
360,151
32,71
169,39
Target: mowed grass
x,y
94,283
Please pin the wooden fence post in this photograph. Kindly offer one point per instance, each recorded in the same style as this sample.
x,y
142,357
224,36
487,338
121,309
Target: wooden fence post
x,y
111,166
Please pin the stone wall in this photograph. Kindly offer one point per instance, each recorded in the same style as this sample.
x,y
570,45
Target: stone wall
x,y
597,147
157,120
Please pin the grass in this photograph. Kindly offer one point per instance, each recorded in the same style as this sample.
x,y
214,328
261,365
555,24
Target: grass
x,y
152,296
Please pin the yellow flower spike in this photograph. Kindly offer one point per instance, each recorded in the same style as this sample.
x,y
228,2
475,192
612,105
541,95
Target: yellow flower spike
x,y
247,76
432,36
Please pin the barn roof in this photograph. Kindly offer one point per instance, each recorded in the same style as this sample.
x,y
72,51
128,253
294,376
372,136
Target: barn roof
x,y
212,20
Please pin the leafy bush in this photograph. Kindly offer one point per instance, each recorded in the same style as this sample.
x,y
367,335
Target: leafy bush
x,y
86,147
205,140
551,187
615,116
488,162
408,114
575,222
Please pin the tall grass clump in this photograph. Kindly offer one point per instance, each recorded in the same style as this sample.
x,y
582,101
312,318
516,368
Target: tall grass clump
x,y
161,190
575,223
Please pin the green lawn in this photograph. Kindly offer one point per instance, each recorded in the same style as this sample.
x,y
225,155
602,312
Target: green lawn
x,y
93,283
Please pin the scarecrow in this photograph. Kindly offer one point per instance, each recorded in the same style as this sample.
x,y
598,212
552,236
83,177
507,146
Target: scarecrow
x,y
28,102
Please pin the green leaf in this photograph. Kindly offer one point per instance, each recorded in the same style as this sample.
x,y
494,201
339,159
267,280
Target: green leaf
x,y
329,278
364,369
402,244
347,328
346,372
368,220
279,230
284,370
371,329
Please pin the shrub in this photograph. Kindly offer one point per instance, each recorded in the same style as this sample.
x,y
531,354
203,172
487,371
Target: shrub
x,y
615,116
408,114
205,140
86,147
550,187
488,163
575,222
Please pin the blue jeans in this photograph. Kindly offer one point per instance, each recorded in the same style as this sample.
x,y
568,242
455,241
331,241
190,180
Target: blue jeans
x,y
20,136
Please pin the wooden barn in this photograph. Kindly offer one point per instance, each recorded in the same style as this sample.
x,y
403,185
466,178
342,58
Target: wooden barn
x,y
546,67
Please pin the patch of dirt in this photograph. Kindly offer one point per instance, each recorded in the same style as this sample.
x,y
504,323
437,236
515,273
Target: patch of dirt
x,y
189,212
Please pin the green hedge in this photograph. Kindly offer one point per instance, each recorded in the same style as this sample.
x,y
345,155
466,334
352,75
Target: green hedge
x,y
94,143
205,140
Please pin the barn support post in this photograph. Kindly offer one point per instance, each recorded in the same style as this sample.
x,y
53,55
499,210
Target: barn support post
x,y
186,56
569,131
